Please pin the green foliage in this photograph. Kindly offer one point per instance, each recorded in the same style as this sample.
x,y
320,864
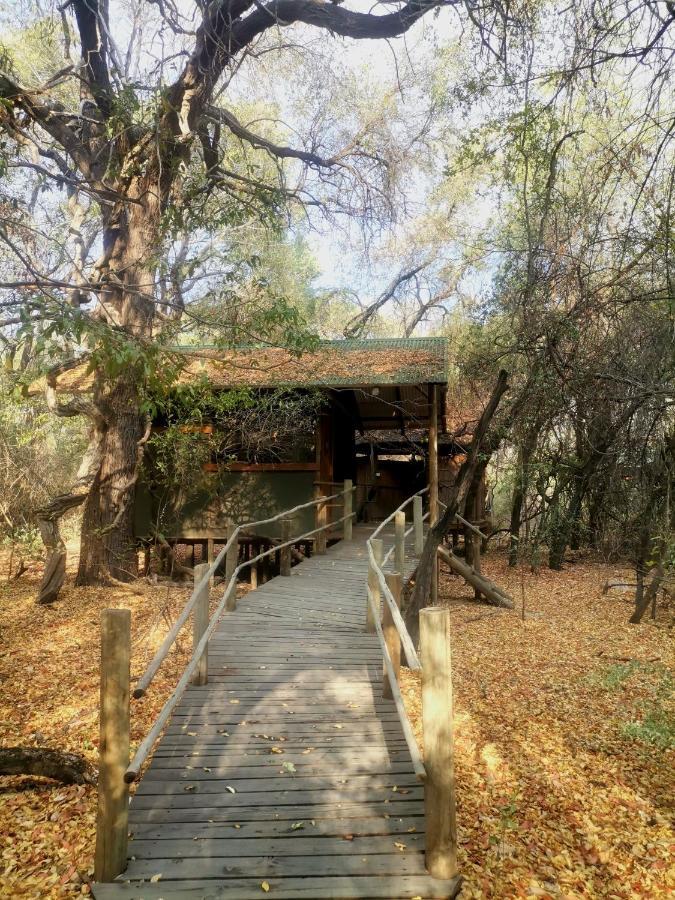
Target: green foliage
x,y
243,424
657,727
613,676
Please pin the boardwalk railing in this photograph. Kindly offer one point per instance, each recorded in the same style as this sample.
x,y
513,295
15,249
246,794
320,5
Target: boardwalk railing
x,y
436,768
115,770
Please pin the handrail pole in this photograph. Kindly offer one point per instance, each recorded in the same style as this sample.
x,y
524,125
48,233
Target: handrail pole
x,y
418,521
439,788
373,583
408,646
391,635
320,521
348,501
386,521
231,563
285,552
200,621
112,819
399,542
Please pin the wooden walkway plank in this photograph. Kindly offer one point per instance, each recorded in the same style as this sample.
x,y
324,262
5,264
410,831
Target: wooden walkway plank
x,y
337,888
288,767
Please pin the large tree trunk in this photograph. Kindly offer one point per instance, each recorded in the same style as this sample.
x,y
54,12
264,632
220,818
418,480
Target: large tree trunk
x,y
108,545
49,516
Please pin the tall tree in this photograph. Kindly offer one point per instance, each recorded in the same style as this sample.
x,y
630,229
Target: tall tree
x,y
85,125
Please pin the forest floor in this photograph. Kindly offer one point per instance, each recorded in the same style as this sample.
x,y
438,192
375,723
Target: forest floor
x,y
564,732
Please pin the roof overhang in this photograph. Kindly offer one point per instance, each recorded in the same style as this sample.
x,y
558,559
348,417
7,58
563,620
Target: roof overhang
x,y
363,366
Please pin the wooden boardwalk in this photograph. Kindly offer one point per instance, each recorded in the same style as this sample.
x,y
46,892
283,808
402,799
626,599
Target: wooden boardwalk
x,y
287,774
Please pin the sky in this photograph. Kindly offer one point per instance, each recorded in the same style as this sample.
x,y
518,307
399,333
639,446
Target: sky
x,y
344,258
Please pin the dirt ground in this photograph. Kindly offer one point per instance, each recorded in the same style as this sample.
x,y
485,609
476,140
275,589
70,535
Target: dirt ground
x,y
564,731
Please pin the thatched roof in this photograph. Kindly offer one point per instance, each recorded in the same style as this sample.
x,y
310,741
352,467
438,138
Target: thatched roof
x,y
343,363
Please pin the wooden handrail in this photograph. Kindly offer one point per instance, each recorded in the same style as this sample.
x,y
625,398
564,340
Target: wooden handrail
x,y
465,522
415,755
406,640
146,745
436,768
154,665
377,568
403,505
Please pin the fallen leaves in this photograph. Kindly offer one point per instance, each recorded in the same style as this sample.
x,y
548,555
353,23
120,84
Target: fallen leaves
x,y
553,800
47,830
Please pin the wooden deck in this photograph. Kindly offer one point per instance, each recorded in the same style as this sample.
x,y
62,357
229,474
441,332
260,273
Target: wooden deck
x,y
288,774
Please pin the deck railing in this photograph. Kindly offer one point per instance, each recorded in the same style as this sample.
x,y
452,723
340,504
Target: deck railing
x,y
436,767
115,770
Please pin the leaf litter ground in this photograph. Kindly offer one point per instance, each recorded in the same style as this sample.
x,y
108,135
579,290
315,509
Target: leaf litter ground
x,y
560,791
555,797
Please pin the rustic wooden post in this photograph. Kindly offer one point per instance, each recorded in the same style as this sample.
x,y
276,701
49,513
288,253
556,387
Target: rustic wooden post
x,y
231,559
418,522
433,477
348,505
373,583
399,542
321,519
285,552
391,635
200,622
439,787
112,821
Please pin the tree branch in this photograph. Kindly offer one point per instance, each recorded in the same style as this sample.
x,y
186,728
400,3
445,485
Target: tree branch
x,y
227,118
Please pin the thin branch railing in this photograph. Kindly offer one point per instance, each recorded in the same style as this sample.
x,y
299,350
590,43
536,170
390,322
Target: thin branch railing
x,y
376,566
435,768
112,818
153,667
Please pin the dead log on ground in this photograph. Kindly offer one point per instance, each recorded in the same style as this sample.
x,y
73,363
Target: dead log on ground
x,y
68,768
489,589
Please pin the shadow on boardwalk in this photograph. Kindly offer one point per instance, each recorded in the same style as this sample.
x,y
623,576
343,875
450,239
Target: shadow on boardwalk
x,y
287,773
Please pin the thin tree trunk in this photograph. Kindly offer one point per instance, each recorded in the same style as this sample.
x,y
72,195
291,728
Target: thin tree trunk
x,y
482,448
648,596
520,491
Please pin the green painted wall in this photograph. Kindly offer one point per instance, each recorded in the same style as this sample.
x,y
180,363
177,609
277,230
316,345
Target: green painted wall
x,y
233,496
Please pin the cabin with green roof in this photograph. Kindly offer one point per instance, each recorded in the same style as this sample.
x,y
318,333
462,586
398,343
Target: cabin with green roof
x,y
386,416
382,423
